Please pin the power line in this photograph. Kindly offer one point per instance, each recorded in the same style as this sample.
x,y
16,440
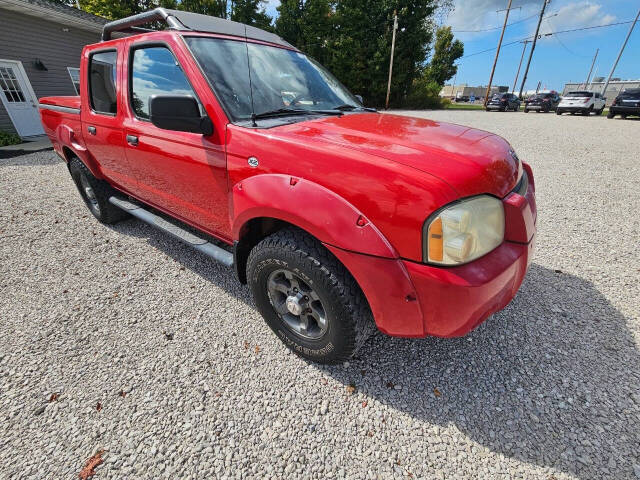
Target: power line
x,y
495,28
547,35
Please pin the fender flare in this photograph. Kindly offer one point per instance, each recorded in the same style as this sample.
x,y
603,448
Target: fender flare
x,y
309,206
70,141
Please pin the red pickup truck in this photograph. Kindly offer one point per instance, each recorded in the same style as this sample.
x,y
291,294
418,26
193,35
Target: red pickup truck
x,y
337,216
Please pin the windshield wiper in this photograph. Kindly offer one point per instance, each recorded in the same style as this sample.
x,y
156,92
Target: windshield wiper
x,y
283,112
347,107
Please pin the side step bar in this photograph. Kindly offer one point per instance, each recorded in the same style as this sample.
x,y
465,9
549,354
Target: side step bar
x,y
219,254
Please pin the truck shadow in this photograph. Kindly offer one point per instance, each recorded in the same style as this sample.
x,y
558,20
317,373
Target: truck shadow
x,y
552,380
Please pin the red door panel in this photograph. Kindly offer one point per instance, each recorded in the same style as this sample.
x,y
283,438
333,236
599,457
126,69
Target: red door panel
x,y
102,128
181,173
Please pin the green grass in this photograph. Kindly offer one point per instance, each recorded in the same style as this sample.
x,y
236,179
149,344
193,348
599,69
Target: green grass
x,y
465,106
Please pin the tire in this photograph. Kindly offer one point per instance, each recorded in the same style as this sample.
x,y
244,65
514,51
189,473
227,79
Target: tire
x,y
526,111
558,112
290,266
95,193
611,115
599,112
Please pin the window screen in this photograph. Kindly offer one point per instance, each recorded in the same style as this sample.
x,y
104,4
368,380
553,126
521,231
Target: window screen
x,y
155,72
102,82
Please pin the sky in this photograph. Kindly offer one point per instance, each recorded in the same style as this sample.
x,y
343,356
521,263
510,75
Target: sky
x,y
558,58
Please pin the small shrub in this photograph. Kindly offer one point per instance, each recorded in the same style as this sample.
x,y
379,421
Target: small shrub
x,y
9,139
424,95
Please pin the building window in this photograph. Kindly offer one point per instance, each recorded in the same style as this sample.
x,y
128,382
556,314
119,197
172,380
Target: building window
x,y
74,73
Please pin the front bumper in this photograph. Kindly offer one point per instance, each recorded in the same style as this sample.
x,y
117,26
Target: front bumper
x,y
496,106
410,299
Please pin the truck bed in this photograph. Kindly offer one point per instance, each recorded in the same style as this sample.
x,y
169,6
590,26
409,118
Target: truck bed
x,y
65,102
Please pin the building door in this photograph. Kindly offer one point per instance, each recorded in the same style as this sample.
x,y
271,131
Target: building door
x,y
19,99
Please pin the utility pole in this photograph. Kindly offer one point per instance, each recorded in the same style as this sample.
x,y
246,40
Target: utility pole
x,y
495,60
591,69
533,47
393,47
515,80
615,64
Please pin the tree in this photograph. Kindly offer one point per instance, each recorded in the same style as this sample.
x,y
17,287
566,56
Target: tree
x,y
360,57
251,12
308,25
446,51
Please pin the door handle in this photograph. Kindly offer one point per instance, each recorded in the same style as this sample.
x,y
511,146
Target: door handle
x,y
132,140
92,130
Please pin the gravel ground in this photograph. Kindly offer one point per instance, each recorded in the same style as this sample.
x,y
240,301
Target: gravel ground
x,y
157,356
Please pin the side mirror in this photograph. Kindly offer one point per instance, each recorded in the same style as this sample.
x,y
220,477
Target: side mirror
x,y
359,97
180,113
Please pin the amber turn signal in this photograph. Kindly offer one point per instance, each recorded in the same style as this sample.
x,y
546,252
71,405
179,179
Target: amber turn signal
x,y
435,240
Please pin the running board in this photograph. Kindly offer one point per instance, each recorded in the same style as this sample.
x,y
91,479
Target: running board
x,y
209,249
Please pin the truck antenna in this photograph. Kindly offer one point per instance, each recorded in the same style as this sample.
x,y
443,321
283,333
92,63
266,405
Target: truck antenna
x,y
253,110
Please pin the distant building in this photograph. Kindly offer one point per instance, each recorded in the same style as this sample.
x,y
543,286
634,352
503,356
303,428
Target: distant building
x,y
613,89
464,90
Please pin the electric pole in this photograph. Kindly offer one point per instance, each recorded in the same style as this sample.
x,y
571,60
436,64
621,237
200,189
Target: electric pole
x,y
591,69
615,64
533,47
393,46
515,80
495,60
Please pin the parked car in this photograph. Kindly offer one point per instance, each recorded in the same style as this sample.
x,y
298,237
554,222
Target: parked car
x,y
337,216
503,102
462,98
583,102
542,102
626,103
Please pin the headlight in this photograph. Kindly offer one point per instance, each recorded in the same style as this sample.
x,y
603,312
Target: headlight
x,y
464,231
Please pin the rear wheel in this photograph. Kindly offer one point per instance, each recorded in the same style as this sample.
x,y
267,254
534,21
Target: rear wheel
x,y
610,115
95,193
526,110
558,112
307,297
599,111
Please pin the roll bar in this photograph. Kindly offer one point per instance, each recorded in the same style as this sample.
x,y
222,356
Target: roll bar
x,y
129,24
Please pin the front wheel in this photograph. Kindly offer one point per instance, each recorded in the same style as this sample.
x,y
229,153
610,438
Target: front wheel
x,y
526,110
599,111
307,297
558,112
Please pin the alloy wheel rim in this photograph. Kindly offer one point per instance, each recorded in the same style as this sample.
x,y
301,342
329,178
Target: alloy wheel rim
x,y
297,304
89,194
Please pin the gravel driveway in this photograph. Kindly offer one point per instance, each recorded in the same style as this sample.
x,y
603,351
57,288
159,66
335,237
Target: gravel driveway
x,y
123,340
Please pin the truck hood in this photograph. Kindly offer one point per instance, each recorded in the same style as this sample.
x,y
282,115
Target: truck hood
x,y
471,161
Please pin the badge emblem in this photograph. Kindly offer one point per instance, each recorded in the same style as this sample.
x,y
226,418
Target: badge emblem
x,y
253,162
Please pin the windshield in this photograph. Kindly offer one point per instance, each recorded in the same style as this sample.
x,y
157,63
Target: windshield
x,y
578,94
279,78
498,96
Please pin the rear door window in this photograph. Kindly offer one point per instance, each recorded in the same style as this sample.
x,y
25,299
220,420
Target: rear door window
x,y
102,82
